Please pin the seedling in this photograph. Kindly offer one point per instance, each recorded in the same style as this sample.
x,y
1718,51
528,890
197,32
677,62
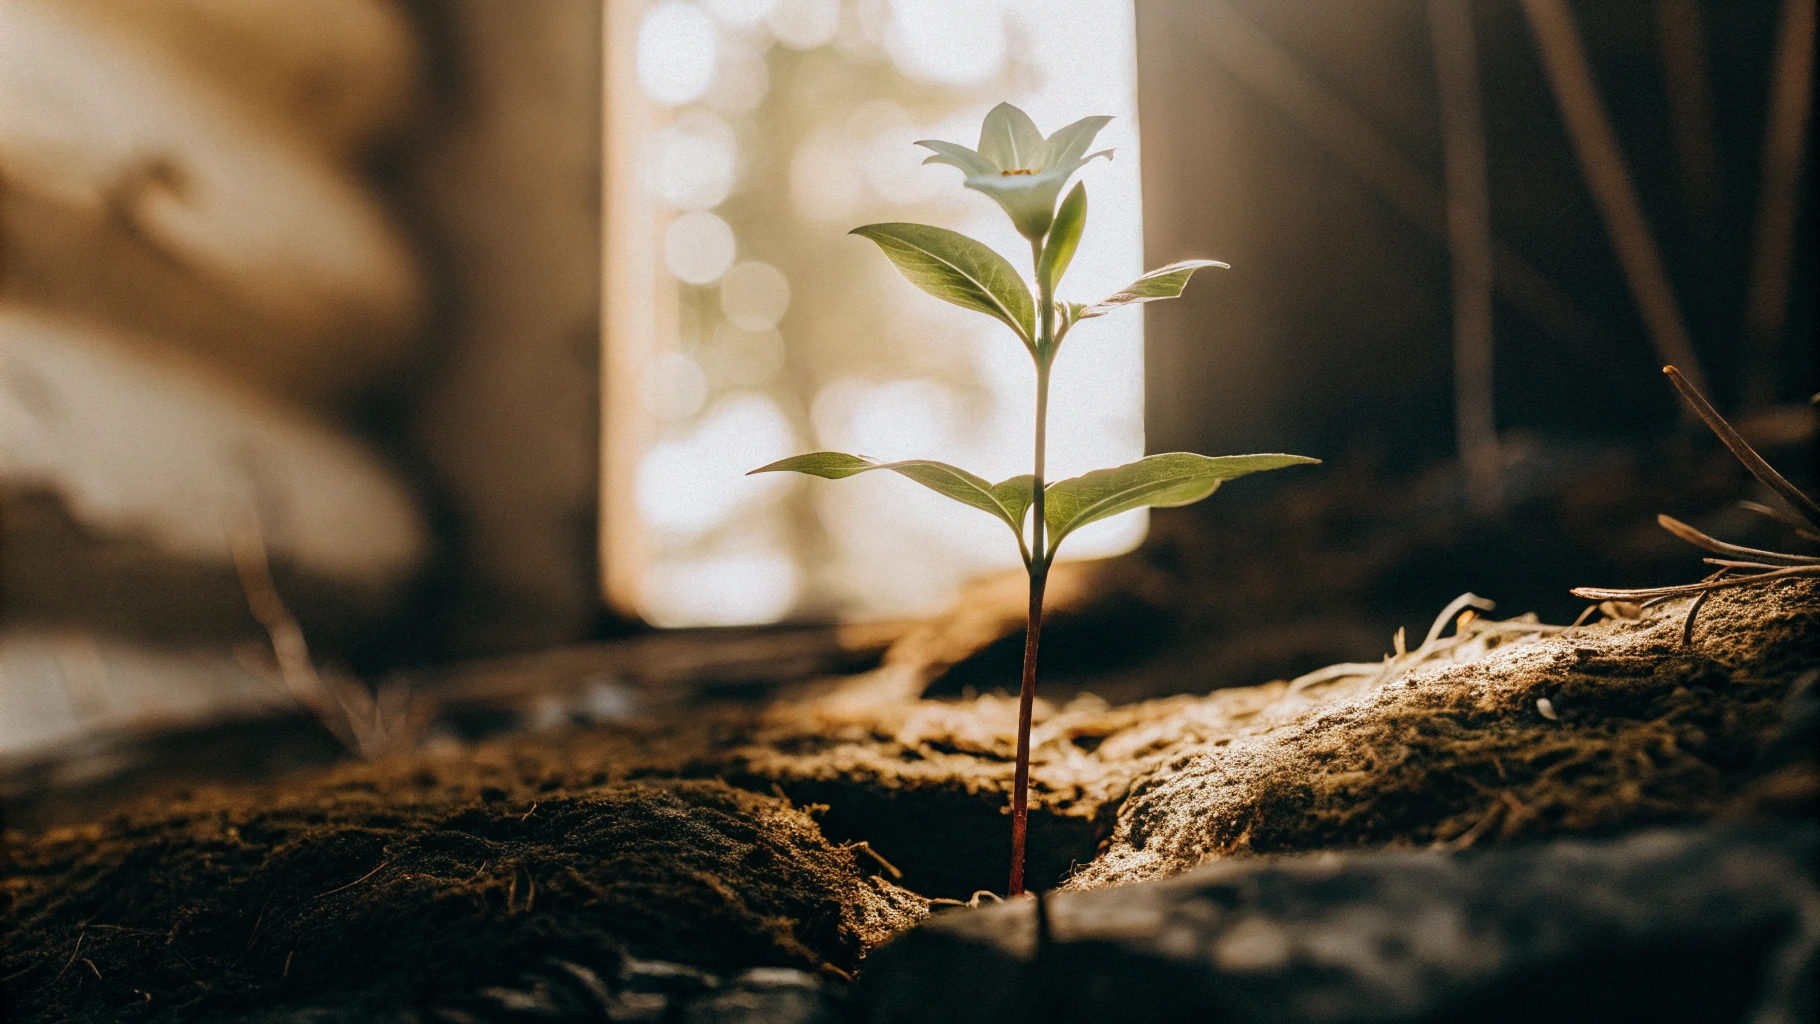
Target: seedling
x,y
1025,172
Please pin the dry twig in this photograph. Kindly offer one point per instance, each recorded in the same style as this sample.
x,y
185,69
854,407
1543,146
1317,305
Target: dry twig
x,y
366,723
1469,629
1747,566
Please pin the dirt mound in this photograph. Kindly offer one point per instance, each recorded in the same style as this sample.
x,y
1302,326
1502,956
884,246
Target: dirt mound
x,y
413,882
1613,727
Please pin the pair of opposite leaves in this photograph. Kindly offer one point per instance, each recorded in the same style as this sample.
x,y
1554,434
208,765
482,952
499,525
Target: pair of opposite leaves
x,y
951,266
960,270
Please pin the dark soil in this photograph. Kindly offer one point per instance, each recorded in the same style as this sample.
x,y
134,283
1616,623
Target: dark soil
x,y
731,835
1645,731
414,882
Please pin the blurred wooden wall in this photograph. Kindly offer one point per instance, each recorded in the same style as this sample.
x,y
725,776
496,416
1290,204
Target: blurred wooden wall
x,y
1299,140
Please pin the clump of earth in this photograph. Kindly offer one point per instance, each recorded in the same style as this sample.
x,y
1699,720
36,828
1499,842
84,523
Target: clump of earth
x,y
805,832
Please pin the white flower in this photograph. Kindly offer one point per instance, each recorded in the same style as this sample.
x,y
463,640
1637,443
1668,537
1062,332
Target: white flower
x,y
1019,168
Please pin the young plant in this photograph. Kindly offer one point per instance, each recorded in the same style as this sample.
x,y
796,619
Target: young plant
x,y
1024,172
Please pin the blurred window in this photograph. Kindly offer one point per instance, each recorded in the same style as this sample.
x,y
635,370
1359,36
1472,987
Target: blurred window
x,y
743,324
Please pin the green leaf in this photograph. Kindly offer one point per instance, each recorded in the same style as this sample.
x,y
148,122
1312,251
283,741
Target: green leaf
x,y
951,266
1162,283
1016,495
1064,237
1162,481
1008,500
827,465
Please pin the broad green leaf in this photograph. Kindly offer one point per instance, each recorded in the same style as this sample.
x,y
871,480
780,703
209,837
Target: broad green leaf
x,y
1162,283
951,266
1162,481
1016,495
827,465
1064,237
1008,501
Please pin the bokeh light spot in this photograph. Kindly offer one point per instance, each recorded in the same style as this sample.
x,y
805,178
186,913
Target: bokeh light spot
x,y
676,51
698,248
754,295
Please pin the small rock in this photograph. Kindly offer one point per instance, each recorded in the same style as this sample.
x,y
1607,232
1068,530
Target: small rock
x,y
764,995
660,976
1706,925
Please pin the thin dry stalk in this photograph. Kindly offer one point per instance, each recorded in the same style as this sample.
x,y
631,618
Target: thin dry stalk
x,y
1469,630
1259,64
368,724
1748,566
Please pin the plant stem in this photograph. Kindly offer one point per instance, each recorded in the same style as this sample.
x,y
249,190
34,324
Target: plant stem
x,y
1039,576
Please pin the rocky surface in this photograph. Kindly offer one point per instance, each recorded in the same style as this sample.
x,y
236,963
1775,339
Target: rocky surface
x,y
63,686
343,73
124,477
1689,925
1419,903
201,280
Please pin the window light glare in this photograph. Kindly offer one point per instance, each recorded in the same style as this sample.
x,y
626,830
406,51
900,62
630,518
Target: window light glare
x,y
741,79
826,184
754,295
693,483
695,162
949,42
741,13
749,358
675,387
722,590
677,45
698,248
804,24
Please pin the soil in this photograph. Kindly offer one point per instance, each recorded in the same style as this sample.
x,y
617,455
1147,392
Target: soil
x,y
413,882
804,831
1612,728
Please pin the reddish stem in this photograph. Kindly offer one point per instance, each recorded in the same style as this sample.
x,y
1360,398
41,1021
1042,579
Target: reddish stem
x,y
1020,786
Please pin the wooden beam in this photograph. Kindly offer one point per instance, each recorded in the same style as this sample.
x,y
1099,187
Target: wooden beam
x,y
1469,249
1265,68
1602,163
1791,100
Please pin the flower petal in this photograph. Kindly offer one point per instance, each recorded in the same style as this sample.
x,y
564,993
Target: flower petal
x,y
1069,143
954,155
1028,198
1010,139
